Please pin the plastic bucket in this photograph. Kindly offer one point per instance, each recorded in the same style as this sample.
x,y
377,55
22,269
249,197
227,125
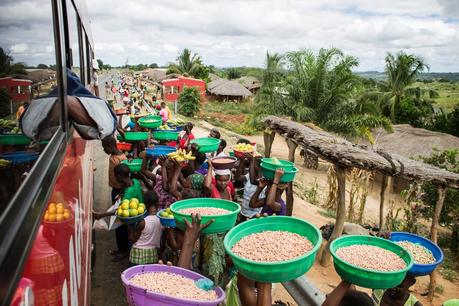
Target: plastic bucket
x,y
207,144
138,296
420,269
287,177
134,165
274,272
221,224
157,151
369,278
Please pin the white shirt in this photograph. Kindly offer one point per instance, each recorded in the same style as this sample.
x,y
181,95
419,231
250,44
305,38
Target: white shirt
x,y
151,234
249,191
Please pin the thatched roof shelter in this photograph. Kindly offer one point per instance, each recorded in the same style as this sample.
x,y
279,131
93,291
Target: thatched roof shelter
x,y
412,142
250,82
213,77
40,75
155,74
340,151
345,155
227,88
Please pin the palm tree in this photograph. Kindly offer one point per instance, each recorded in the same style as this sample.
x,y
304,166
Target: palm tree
x,y
7,67
318,88
189,64
402,71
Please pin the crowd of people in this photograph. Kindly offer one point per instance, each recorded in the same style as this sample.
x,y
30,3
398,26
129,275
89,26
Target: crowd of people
x,y
163,181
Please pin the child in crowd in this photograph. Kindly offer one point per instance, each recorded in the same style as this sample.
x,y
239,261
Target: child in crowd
x,y
221,147
214,133
186,136
219,187
146,235
115,158
273,202
250,182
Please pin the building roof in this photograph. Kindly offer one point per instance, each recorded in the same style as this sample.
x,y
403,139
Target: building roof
x,y
223,87
410,142
249,82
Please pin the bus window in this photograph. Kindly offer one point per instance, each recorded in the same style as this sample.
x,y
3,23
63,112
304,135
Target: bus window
x,y
29,72
72,23
84,56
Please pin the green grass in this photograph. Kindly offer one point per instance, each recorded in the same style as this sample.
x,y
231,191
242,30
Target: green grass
x,y
449,93
228,108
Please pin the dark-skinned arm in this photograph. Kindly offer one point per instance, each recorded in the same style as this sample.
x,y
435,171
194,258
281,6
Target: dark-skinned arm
x,y
135,230
174,181
239,176
272,194
192,232
255,200
335,297
253,175
208,179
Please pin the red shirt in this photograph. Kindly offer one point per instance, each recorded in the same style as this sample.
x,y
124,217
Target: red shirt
x,y
183,141
216,194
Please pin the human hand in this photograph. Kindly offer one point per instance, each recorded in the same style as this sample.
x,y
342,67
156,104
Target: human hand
x,y
248,155
193,229
262,183
278,174
162,160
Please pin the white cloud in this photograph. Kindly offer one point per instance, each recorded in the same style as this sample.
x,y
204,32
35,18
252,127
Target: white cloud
x,y
19,48
239,32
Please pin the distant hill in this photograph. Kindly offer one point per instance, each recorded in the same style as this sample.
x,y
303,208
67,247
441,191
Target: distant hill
x,y
450,76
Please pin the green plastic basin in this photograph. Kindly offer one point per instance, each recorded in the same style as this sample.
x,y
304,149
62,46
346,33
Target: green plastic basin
x,y
136,136
369,278
151,122
274,272
284,164
14,139
221,224
165,135
287,177
207,144
135,165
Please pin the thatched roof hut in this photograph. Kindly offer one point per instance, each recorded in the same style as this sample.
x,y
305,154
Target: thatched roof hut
x,y
228,90
411,142
155,74
213,77
250,82
40,75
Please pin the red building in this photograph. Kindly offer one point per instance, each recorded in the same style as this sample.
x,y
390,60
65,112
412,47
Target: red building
x,y
18,89
173,87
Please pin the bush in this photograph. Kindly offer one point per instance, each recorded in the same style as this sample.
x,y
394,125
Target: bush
x,y
189,102
449,160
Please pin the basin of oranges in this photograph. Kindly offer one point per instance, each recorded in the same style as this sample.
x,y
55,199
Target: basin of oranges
x,y
56,213
241,148
131,211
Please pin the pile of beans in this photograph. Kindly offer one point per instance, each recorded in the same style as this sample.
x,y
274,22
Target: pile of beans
x,y
421,254
271,246
205,211
173,285
371,257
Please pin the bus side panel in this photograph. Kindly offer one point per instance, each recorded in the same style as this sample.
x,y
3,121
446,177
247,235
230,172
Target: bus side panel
x,y
57,271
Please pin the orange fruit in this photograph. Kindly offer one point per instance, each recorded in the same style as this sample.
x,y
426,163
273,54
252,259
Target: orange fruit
x,y
60,209
59,217
60,205
46,217
66,215
52,209
52,218
66,210
52,205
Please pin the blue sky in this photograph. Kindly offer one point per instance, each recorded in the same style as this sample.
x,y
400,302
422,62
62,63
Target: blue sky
x,y
239,32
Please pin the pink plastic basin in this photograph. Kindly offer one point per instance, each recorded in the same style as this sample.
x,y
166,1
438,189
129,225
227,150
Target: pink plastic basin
x,y
141,297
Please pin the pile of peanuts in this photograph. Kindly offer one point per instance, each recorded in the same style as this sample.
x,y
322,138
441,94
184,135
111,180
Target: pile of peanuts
x,y
173,285
371,257
421,255
205,211
271,246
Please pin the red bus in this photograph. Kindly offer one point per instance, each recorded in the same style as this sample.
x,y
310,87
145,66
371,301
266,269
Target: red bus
x,y
46,261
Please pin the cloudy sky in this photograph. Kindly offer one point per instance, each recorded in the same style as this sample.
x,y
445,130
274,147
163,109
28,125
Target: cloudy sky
x,y
239,32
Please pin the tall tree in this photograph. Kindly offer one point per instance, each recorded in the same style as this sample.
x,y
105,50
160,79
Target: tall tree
x,y
402,71
7,67
317,88
189,64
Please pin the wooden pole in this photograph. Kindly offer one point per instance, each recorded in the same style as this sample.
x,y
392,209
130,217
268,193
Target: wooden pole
x,y
290,199
433,237
340,214
291,149
381,201
268,139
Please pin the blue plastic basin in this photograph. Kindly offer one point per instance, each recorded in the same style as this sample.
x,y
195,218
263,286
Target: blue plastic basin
x,y
166,222
20,157
157,151
420,269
